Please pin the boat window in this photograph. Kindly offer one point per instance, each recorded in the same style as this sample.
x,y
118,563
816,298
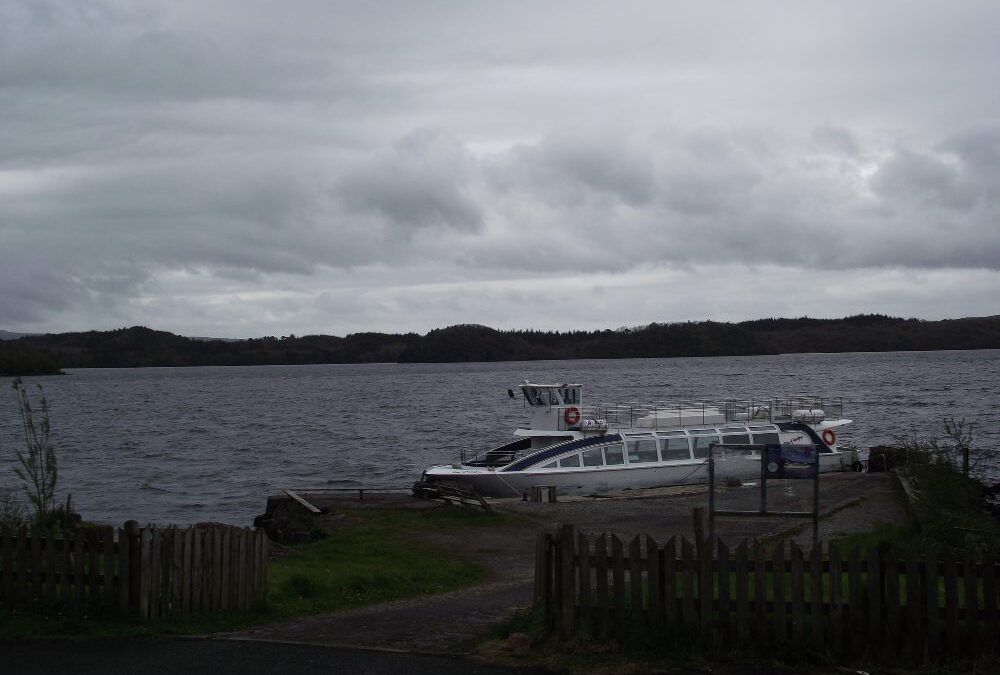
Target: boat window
x,y
671,433
766,439
703,431
701,444
734,430
762,427
613,454
676,448
737,439
570,395
593,457
642,451
572,460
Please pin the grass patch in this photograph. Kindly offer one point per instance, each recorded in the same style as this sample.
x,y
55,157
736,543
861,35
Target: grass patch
x,y
949,513
377,559
378,556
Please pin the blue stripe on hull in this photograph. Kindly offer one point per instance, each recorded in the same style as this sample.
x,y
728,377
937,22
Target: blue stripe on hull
x,y
558,449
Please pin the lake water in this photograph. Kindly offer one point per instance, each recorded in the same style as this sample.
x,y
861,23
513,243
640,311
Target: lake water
x,y
184,445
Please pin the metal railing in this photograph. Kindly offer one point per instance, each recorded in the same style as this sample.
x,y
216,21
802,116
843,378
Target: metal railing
x,y
663,414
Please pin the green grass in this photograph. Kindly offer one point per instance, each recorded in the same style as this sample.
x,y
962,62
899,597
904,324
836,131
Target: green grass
x,y
380,555
380,558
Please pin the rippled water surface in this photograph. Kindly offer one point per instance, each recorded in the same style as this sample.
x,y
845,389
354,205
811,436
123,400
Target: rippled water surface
x,y
183,445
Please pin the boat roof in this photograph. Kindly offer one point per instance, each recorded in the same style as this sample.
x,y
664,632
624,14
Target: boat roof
x,y
551,386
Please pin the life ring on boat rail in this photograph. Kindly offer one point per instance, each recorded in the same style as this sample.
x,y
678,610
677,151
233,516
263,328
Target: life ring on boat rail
x,y
571,416
829,437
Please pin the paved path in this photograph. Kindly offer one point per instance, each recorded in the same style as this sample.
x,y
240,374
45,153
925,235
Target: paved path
x,y
445,623
219,657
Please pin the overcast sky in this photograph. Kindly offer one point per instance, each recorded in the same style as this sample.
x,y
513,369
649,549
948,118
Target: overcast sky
x,y
248,168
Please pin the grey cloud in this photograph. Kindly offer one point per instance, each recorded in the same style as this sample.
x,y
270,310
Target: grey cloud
x,y
922,179
573,166
422,183
837,139
153,156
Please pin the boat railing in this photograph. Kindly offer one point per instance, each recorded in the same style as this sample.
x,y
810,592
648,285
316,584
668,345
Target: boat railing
x,y
662,414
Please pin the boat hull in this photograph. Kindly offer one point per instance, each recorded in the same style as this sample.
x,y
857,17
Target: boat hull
x,y
498,483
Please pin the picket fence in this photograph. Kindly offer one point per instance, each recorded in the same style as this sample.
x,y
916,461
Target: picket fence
x,y
869,603
144,573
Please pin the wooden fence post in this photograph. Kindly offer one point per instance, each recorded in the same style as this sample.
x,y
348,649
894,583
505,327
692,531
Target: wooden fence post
x,y
876,582
124,569
134,563
672,621
186,570
227,556
915,628
952,628
50,567
857,619
761,622
991,610
145,571
723,631
36,563
742,595
601,560
94,567
217,591
108,549
687,587
654,595
891,601
23,591
583,566
836,601
970,595
635,584
618,570
933,606
67,593
155,572
816,594
7,574
798,586
567,589
778,576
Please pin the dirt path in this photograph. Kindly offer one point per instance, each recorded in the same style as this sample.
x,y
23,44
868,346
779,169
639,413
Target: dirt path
x,y
450,622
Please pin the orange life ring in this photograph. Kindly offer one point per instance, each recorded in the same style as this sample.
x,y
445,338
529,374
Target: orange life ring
x,y
829,437
571,416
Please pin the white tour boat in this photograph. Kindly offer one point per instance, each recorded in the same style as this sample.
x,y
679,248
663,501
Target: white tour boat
x,y
599,448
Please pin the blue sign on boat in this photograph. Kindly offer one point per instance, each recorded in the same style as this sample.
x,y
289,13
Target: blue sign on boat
x,y
791,461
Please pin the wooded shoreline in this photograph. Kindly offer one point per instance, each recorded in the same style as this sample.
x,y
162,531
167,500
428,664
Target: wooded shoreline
x,y
143,347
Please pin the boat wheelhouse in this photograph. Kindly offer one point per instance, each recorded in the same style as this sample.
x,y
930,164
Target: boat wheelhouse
x,y
598,448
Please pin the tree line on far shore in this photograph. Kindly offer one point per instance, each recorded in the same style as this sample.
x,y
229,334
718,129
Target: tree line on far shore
x,y
143,347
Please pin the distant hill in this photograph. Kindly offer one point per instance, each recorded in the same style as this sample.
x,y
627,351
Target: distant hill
x,y
7,335
139,346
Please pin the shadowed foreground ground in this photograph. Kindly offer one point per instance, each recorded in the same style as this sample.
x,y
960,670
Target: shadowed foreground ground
x,y
452,622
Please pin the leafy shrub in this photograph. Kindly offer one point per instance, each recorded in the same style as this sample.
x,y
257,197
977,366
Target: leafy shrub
x,y
12,516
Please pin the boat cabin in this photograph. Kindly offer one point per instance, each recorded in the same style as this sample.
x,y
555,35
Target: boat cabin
x,y
553,407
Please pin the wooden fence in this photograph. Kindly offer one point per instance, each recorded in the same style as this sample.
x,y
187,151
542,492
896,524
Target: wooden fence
x,y
870,603
145,573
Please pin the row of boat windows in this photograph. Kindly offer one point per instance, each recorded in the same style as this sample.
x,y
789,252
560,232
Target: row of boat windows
x,y
640,451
